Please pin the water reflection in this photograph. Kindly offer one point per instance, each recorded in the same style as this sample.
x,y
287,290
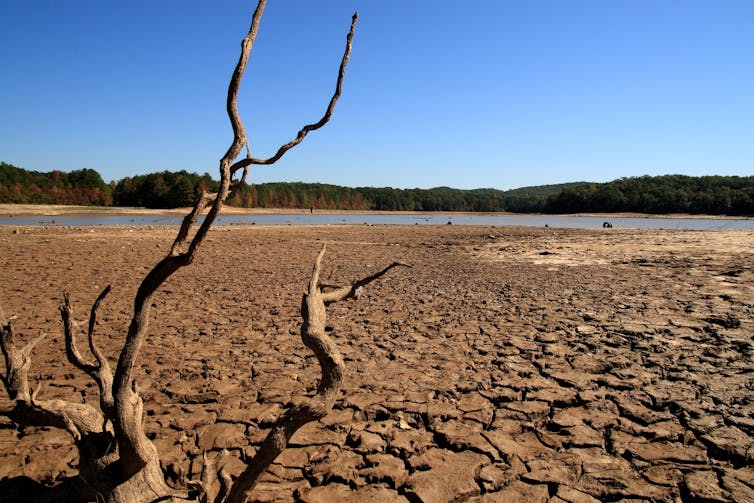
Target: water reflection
x,y
572,222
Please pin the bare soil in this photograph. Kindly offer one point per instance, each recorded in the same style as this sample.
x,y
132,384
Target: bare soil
x,y
507,364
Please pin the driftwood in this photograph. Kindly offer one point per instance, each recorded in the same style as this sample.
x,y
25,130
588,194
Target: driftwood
x,y
314,336
118,461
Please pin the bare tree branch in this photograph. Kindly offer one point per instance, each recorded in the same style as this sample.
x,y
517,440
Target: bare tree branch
x,y
79,419
309,127
136,449
122,463
314,336
352,291
100,371
17,362
180,241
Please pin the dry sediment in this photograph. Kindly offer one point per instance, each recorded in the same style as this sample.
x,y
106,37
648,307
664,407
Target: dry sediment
x,y
507,364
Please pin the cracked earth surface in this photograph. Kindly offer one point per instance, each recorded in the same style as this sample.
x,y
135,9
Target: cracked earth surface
x,y
508,364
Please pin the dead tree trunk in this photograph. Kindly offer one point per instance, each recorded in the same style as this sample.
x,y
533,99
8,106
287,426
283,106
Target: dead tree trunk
x,y
117,460
314,336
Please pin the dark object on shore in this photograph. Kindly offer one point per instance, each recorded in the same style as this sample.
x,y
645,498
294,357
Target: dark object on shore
x,y
607,225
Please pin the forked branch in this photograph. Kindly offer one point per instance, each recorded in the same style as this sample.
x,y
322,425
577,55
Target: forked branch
x,y
353,290
314,336
99,371
137,476
136,450
78,419
316,125
17,361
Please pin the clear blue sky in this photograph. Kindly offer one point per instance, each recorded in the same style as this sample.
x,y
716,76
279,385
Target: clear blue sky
x,y
495,93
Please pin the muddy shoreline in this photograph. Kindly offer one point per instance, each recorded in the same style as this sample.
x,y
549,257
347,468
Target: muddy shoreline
x,y
506,364
11,210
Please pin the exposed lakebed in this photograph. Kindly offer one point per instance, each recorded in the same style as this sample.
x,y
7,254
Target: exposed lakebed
x,y
507,364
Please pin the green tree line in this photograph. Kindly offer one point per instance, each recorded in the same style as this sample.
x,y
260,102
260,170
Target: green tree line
x,y
731,195
83,187
162,190
714,195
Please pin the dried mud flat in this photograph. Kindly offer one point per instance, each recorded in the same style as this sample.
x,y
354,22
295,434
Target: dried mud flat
x,y
507,364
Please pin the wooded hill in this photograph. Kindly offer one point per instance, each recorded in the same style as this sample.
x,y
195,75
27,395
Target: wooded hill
x,y
713,195
716,195
83,186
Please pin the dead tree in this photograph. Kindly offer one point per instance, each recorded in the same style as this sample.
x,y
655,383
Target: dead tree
x,y
117,460
314,336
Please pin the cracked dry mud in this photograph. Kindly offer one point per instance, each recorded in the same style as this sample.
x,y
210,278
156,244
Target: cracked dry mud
x,y
507,364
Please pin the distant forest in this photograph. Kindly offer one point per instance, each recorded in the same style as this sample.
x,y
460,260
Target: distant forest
x,y
716,195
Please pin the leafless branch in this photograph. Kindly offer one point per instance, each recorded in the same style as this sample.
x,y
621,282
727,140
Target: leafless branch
x,y
99,371
136,449
352,291
17,361
79,419
314,336
137,474
309,127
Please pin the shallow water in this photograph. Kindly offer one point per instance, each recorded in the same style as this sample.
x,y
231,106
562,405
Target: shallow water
x,y
572,222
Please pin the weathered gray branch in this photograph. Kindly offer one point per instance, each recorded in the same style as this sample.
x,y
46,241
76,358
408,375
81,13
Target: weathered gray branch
x,y
80,420
17,361
314,336
99,371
